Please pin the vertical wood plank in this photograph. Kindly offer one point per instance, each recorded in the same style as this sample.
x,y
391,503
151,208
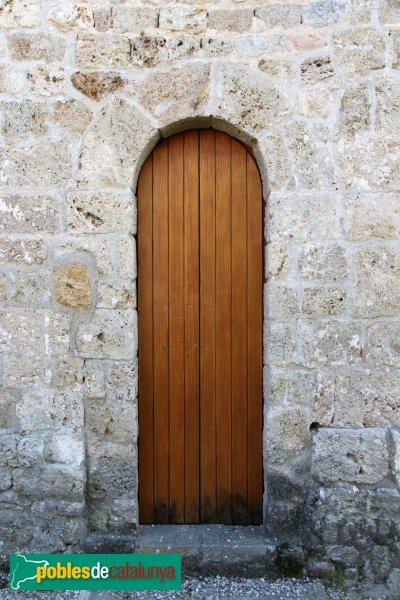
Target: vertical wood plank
x,y
239,334
145,304
254,324
207,327
176,333
191,276
161,371
223,401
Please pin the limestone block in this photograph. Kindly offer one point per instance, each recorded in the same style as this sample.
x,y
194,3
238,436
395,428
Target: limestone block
x,y
116,296
278,260
69,14
57,329
95,248
388,105
389,12
113,421
152,50
126,251
283,302
177,93
302,216
377,280
383,346
350,456
20,13
64,482
239,20
96,85
29,288
277,388
395,35
316,103
359,51
101,212
112,470
3,294
12,79
59,372
316,69
47,163
372,216
94,381
20,118
179,18
103,20
72,285
110,334
332,343
8,418
45,80
355,111
277,163
310,151
72,115
251,45
17,451
23,213
322,262
280,15
325,12
67,449
20,252
249,99
302,387
34,331
122,381
361,11
41,409
308,38
279,344
370,164
118,139
280,68
287,433
396,442
102,49
37,46
320,302
216,46
133,19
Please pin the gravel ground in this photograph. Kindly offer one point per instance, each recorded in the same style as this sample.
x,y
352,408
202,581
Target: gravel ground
x,y
215,588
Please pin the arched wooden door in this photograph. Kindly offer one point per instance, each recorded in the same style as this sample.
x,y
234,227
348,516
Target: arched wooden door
x,y
200,248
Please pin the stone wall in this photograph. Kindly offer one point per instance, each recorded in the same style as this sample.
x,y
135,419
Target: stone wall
x,y
86,91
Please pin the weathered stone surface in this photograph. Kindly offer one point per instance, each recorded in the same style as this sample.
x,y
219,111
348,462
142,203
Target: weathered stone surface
x,y
314,70
383,346
239,20
177,93
133,19
282,302
115,296
72,115
71,13
280,15
179,18
377,279
103,20
102,49
67,449
315,102
36,164
126,252
111,421
23,213
279,344
12,79
370,164
249,100
302,216
355,110
33,331
287,433
324,302
101,212
350,455
153,50
395,35
372,216
110,334
332,343
20,13
72,286
281,68
59,372
216,46
277,260
96,85
122,381
322,262
388,105
112,470
46,80
20,252
94,248
310,154
36,46
20,118
29,288
277,162
358,51
389,11
119,138
251,45
325,12
361,11
95,385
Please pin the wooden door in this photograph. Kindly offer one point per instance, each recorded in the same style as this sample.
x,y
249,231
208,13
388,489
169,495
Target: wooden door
x,y
200,249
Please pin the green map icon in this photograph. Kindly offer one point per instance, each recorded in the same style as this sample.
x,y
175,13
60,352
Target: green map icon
x,y
24,570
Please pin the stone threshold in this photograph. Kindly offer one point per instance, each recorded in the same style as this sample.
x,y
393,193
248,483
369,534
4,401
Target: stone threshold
x,y
242,551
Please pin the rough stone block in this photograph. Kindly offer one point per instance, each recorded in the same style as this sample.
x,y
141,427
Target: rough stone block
x,y
280,15
359,51
23,213
96,85
279,344
45,80
29,288
278,260
322,262
315,102
110,334
69,14
152,50
20,252
355,111
383,344
133,19
350,456
377,279
37,46
320,302
325,12
282,302
72,286
179,18
12,79
102,49
67,449
395,35
63,482
122,381
112,471
331,343
20,13
310,152
94,247
43,164
103,20
112,421
21,118
101,212
8,417
72,115
94,380
389,12
115,296
388,105
277,163
316,69
372,216
287,433
126,252
59,372
41,409
216,46
251,45
239,20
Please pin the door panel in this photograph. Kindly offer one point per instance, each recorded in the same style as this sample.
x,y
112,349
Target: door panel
x,y
200,253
